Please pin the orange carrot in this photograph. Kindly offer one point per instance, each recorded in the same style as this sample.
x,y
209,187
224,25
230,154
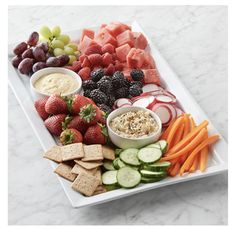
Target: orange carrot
x,y
178,135
192,145
194,166
208,141
185,141
192,123
166,132
175,170
203,158
173,130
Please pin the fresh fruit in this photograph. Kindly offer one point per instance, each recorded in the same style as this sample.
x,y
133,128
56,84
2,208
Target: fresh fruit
x,y
69,136
45,32
39,65
95,59
54,124
140,42
96,75
98,96
110,70
137,75
64,38
77,102
87,32
27,54
107,48
121,92
16,61
56,105
125,37
53,62
56,31
57,44
151,76
63,59
94,49
43,46
89,84
75,123
118,79
20,48
135,90
33,39
39,54
96,134
40,107
90,114
84,73
105,108
107,59
122,52
105,85
25,66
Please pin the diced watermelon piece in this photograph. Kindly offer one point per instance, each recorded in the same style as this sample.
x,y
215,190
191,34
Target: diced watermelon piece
x,y
135,58
87,32
95,59
115,28
84,73
140,40
103,25
86,43
125,37
151,76
148,62
108,38
122,52
107,59
95,49
108,48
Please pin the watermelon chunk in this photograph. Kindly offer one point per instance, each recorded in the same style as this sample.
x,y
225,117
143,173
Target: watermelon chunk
x,y
94,49
87,32
108,38
135,58
116,28
125,37
149,62
151,76
140,41
85,43
122,52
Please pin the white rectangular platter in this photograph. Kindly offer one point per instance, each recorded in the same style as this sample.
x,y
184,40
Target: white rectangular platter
x,y
217,162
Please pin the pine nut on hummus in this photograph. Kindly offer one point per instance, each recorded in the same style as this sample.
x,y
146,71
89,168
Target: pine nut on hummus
x,y
134,124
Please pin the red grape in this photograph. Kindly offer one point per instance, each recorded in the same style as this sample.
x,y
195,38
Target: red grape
x,y
16,61
25,66
20,48
39,65
64,59
43,46
33,39
39,54
53,62
27,53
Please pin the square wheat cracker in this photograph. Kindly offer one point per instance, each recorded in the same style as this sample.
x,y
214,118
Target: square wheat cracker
x,y
54,154
92,153
89,165
64,170
85,184
72,151
108,153
77,169
98,176
100,189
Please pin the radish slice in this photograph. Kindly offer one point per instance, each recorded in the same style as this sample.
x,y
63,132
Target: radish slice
x,y
172,109
121,101
153,93
178,111
165,98
163,112
144,102
125,105
149,88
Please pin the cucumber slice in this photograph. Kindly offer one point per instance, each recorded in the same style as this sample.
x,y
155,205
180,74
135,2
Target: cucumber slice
x,y
155,145
158,166
115,164
128,177
150,180
118,151
111,187
108,165
120,163
109,177
163,145
151,174
129,156
149,155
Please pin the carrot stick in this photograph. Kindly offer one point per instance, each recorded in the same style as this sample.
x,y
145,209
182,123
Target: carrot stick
x,y
194,166
203,158
192,145
192,123
175,169
208,141
166,132
173,130
178,135
188,138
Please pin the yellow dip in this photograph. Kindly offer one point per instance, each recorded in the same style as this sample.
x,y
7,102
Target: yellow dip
x,y
56,83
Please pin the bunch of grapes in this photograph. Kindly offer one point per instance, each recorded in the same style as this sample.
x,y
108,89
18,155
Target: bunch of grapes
x,y
59,44
32,56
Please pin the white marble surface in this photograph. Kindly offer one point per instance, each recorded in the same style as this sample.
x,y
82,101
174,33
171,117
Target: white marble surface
x,y
194,42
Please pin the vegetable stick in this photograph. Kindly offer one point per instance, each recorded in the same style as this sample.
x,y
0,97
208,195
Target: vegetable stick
x,y
173,130
192,123
192,145
178,135
203,158
208,141
166,132
188,138
194,166
175,169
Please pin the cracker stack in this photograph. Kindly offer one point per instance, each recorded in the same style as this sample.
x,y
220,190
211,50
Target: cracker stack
x,y
80,164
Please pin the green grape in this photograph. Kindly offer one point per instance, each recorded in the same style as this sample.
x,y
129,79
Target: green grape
x,y
72,59
45,32
73,46
57,44
43,40
56,31
58,52
68,50
64,38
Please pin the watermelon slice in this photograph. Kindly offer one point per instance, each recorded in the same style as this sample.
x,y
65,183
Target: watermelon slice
x,y
86,42
87,32
125,37
116,28
151,76
122,52
149,62
135,58
140,41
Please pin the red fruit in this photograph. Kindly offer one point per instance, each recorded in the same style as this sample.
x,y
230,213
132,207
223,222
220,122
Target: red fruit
x,y
54,124
108,48
96,134
109,70
87,32
75,123
84,73
82,57
118,66
77,102
40,107
69,136
90,114
107,59
125,37
56,105
95,49
95,59
76,66
86,63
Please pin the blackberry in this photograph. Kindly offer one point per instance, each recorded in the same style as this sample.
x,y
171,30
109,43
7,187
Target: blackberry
x,y
137,74
105,108
138,83
105,85
98,96
87,93
126,83
121,92
118,80
89,84
96,75
135,90
111,100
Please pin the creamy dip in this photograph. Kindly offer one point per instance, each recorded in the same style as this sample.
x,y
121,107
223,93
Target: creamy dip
x,y
134,124
56,83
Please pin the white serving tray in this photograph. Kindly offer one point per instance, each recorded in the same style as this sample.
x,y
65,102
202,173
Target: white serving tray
x,y
217,162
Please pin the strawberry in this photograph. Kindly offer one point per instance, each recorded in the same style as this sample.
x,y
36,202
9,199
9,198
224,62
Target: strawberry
x,y
69,136
84,73
107,59
90,114
56,105
40,107
54,124
96,134
75,123
95,59
94,49
76,102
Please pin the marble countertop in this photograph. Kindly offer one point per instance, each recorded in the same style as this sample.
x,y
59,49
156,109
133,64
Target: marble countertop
x,y
193,40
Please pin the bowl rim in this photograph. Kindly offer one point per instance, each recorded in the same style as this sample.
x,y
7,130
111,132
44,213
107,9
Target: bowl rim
x,y
35,76
155,116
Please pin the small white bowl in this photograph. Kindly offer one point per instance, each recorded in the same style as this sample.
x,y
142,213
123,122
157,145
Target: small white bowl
x,y
124,142
37,94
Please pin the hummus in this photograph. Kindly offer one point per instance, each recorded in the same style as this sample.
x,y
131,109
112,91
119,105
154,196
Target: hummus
x,y
134,124
56,83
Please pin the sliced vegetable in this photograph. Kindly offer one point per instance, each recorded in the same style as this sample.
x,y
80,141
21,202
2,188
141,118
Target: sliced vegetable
x,y
157,167
174,170
109,177
129,156
163,145
150,180
115,163
163,112
128,177
118,151
163,98
151,174
108,165
145,102
122,101
149,88
149,155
